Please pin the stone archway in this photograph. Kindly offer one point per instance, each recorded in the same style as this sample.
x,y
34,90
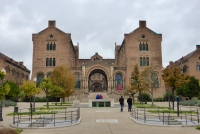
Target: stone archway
x,y
97,80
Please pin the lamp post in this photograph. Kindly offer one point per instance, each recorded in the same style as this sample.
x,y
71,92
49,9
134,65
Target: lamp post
x,y
35,80
1,118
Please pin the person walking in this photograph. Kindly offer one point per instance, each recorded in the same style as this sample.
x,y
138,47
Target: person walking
x,y
130,102
121,101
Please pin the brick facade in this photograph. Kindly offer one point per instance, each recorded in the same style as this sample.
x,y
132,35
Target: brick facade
x,y
53,47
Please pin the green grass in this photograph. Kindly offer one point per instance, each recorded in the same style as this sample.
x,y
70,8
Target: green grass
x,y
34,113
18,130
171,111
139,105
60,105
198,127
51,108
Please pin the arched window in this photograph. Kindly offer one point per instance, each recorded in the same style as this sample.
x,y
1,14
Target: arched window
x,y
78,81
49,75
144,61
140,61
154,78
147,61
147,48
51,47
143,45
48,46
39,78
197,66
47,62
140,47
54,61
119,82
54,46
50,62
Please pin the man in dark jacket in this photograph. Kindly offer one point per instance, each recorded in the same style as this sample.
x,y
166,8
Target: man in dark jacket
x,y
130,102
121,101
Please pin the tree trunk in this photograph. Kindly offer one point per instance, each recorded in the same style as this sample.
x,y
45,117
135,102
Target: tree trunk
x,y
152,99
56,101
140,97
133,96
47,97
173,98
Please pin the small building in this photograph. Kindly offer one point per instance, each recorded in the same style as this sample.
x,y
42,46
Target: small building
x,y
16,71
190,63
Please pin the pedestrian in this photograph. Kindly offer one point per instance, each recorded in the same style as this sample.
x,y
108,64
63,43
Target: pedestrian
x,y
121,101
130,102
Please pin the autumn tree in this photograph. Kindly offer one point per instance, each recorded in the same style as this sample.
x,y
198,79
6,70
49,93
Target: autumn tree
x,y
64,78
29,88
190,89
46,85
149,80
174,78
135,83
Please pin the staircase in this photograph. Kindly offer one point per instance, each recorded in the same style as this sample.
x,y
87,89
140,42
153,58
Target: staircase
x,y
93,96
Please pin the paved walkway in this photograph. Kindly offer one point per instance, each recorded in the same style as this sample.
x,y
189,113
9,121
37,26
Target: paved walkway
x,y
102,121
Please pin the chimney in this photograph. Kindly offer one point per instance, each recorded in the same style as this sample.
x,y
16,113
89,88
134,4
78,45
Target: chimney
x,y
197,47
21,63
52,23
142,23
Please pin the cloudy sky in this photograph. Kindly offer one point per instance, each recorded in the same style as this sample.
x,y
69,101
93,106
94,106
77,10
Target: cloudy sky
x,y
97,24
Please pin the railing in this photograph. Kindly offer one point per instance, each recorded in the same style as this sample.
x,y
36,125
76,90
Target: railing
x,y
27,118
187,116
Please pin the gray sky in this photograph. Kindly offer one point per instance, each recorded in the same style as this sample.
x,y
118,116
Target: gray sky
x,y
97,24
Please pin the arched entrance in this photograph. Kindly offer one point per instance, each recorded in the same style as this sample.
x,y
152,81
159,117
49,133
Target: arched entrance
x,y
97,81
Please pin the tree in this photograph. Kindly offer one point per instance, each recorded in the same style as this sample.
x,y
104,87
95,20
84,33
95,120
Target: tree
x,y
46,85
4,89
174,78
64,78
190,89
14,89
29,88
56,92
135,83
149,80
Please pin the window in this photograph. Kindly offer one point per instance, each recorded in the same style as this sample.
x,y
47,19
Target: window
x,y
184,69
119,82
13,72
39,79
197,66
49,75
48,46
78,81
143,47
51,46
144,61
154,78
50,62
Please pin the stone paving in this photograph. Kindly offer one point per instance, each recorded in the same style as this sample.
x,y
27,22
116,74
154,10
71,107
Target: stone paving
x,y
100,121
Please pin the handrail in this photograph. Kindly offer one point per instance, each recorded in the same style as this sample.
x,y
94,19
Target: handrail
x,y
43,118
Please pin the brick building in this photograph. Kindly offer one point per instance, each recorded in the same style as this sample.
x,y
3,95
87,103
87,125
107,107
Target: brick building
x,y
53,47
15,71
190,63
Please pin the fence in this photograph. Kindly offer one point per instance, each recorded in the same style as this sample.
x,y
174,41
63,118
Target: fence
x,y
185,116
28,118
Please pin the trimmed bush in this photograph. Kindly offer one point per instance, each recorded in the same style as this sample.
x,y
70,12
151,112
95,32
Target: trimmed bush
x,y
144,96
8,103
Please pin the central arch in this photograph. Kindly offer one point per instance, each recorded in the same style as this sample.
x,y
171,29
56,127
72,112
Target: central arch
x,y
97,81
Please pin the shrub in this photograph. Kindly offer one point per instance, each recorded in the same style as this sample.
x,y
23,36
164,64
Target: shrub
x,y
8,103
144,96
158,99
198,127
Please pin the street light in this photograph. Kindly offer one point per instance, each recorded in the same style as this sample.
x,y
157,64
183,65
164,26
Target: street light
x,y
1,118
35,80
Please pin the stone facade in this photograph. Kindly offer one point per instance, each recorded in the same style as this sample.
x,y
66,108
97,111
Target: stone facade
x,y
15,71
53,47
190,63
